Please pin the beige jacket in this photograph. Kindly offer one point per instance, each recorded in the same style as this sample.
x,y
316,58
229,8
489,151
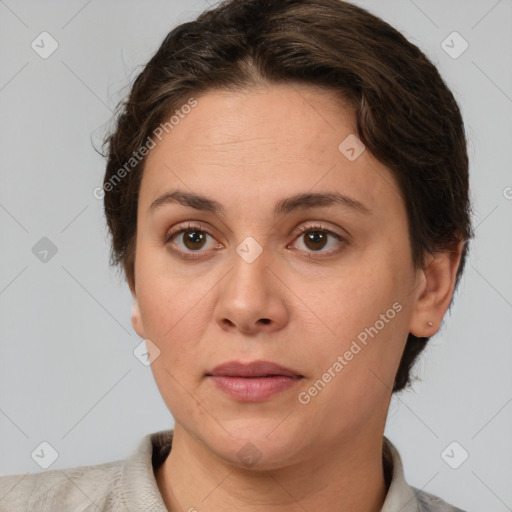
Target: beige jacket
x,y
130,486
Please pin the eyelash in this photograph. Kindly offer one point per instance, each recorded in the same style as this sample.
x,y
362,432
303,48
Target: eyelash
x,y
301,231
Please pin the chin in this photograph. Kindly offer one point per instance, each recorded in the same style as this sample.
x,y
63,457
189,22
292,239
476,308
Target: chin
x,y
257,444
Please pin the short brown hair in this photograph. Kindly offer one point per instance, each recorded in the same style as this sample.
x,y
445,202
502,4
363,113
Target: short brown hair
x,y
406,115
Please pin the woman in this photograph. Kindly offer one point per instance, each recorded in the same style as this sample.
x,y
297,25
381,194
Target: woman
x,y
287,194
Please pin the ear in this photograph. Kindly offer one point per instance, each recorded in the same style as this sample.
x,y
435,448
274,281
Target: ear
x,y
136,319
434,291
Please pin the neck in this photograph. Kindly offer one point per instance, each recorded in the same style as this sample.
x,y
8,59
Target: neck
x,y
349,478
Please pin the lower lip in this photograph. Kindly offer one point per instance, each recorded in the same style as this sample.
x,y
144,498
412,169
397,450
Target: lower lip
x,y
253,389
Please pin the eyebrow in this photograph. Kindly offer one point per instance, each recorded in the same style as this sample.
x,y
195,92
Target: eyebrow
x,y
297,202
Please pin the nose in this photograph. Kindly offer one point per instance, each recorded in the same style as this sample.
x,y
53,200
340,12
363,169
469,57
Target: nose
x,y
250,298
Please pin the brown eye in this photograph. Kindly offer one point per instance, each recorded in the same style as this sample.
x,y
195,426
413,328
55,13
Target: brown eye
x,y
315,240
189,239
193,239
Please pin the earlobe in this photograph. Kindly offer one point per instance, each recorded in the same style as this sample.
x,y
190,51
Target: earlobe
x,y
137,320
435,292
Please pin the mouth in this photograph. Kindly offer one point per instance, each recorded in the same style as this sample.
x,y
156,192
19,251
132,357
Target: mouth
x,y
254,369
253,382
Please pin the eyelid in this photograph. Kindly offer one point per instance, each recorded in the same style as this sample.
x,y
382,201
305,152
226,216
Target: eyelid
x,y
319,226
188,226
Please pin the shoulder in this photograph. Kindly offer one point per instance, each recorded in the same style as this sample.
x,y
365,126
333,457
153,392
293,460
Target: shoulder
x,y
430,503
405,497
79,488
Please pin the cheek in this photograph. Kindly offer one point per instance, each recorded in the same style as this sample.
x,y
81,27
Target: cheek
x,y
352,298
171,313
353,376
167,313
366,317
168,299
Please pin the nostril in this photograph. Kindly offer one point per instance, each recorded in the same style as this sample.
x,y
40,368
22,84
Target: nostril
x,y
265,320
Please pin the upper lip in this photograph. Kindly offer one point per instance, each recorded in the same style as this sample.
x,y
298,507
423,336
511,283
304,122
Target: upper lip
x,y
252,369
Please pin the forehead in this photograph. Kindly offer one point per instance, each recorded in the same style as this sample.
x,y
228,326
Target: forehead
x,y
246,119
264,144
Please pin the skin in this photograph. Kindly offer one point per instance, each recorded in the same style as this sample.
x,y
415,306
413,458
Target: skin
x,y
247,150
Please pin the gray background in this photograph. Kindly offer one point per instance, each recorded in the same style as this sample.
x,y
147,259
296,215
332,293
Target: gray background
x,y
68,375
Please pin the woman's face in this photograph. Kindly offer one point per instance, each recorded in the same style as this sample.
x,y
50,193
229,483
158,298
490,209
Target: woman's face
x,y
244,284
